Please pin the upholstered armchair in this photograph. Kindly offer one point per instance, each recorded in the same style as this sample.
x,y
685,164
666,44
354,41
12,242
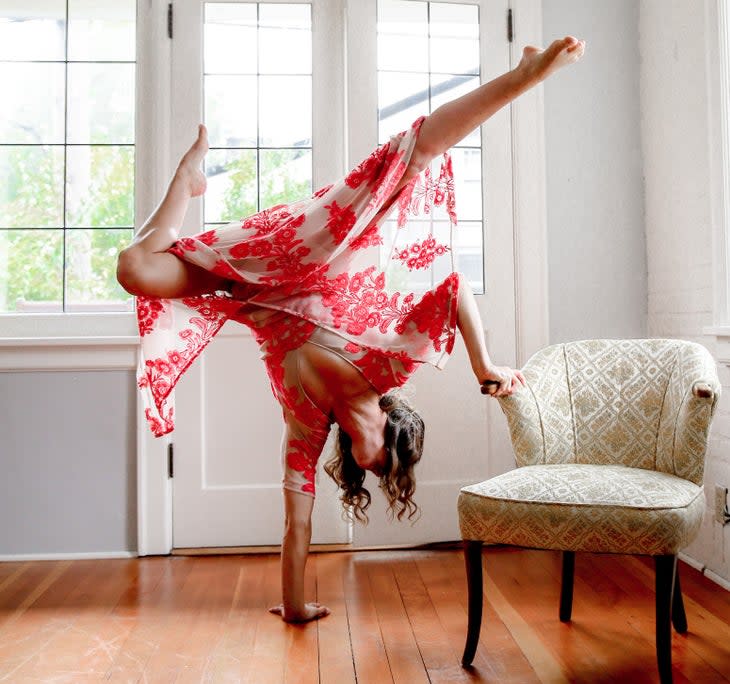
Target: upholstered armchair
x,y
610,439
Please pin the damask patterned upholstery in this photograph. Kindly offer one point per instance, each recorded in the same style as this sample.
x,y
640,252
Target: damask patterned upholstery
x,y
610,439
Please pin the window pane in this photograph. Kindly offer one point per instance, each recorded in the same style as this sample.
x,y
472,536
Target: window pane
x,y
232,186
33,30
407,53
243,108
402,36
101,30
230,38
285,39
31,270
454,38
32,107
100,103
286,176
454,21
31,186
469,250
409,88
454,56
91,262
468,182
230,110
402,98
403,17
285,106
99,186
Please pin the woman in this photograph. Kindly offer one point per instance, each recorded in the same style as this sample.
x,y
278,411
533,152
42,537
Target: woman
x,y
334,340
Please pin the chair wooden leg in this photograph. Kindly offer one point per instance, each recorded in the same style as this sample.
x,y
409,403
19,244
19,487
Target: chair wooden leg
x,y
665,572
473,559
566,588
679,617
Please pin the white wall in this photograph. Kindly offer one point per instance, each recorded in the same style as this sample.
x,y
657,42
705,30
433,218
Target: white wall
x,y
675,111
595,212
67,453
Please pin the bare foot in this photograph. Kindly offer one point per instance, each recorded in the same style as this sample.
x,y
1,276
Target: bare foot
x,y
188,170
312,611
538,64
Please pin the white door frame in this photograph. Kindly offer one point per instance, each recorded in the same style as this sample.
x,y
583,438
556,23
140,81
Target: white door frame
x,y
154,490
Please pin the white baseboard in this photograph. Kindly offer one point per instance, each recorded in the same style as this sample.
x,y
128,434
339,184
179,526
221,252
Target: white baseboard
x,y
100,555
717,579
691,562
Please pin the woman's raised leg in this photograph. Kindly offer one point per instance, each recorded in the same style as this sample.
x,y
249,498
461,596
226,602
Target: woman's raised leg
x,y
454,120
145,268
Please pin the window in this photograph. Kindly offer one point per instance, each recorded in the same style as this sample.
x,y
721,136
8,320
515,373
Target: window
x,y
257,84
67,135
427,54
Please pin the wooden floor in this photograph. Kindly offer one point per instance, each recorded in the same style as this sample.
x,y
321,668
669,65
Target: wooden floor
x,y
396,616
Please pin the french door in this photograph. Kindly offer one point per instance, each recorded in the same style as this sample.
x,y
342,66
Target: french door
x,y
289,109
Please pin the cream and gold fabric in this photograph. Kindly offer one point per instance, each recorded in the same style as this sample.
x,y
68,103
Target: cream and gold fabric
x,y
610,437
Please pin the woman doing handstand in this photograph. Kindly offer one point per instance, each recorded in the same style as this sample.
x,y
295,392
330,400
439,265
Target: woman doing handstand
x,y
335,340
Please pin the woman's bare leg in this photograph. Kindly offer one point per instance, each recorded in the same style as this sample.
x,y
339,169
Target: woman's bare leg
x,y
454,120
145,267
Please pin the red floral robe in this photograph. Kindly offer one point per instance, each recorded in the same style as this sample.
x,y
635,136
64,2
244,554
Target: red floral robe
x,y
307,265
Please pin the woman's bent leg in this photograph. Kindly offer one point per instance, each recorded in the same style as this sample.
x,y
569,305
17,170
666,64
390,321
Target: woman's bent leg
x,y
145,268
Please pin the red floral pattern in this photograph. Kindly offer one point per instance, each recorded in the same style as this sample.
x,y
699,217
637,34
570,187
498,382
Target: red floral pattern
x,y
298,268
370,169
340,222
421,254
436,314
359,302
423,193
370,238
149,310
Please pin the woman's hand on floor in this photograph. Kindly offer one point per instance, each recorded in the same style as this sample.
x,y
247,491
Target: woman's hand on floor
x,y
501,381
311,611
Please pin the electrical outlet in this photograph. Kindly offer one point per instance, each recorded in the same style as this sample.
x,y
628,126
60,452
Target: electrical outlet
x,y
720,504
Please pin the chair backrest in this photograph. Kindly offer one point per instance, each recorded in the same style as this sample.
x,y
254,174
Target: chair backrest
x,y
625,402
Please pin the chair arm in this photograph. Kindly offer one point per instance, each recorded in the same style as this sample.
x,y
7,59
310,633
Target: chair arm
x,y
703,390
525,426
692,405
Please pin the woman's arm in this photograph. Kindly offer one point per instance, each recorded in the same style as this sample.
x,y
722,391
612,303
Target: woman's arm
x,y
297,534
470,325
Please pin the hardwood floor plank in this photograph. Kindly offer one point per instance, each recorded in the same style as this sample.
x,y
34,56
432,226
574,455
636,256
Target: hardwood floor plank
x,y
498,657
335,649
217,577
398,616
442,663
700,655
406,663
10,572
368,650
522,607
272,633
77,637
301,660
165,628
232,658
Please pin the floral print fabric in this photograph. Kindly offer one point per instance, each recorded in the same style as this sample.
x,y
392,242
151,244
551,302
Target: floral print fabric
x,y
305,266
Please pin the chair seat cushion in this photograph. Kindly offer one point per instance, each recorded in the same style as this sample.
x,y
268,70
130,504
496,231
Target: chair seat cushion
x,y
583,507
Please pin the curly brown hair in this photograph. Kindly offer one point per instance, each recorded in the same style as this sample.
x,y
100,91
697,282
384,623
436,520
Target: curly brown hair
x,y
404,432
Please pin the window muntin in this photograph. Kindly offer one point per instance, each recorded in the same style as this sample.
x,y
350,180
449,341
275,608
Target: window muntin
x,y
257,85
67,68
428,54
